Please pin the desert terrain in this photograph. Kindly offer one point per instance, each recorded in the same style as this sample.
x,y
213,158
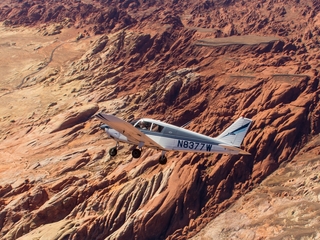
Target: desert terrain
x,y
207,62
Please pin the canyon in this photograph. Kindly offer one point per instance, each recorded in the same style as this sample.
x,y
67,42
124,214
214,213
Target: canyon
x,y
207,62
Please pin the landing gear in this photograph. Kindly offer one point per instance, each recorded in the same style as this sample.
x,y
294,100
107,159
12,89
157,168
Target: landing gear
x,y
113,151
136,153
162,160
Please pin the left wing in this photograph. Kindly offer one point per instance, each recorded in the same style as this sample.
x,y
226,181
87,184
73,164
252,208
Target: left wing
x,y
133,134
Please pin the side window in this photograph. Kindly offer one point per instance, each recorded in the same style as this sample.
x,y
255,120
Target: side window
x,y
143,125
156,128
147,125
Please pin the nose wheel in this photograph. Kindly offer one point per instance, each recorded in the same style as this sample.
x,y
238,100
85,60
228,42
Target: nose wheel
x,y
113,151
136,153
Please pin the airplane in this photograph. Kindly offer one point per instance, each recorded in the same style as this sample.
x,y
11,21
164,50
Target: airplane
x,y
146,132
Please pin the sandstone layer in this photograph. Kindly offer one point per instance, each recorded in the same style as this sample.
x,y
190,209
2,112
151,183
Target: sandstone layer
x,y
207,62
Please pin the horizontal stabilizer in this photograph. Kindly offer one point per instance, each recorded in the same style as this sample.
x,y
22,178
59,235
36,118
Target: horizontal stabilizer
x,y
239,150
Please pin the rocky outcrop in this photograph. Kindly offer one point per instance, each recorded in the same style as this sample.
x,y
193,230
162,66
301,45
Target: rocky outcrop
x,y
70,12
55,171
291,193
73,117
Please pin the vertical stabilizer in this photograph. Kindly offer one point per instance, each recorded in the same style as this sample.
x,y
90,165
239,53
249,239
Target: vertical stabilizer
x,y
235,134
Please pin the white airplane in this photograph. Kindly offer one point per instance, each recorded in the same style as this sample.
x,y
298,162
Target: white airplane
x,y
162,136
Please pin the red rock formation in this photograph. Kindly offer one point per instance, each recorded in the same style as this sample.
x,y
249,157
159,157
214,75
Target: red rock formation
x,y
158,62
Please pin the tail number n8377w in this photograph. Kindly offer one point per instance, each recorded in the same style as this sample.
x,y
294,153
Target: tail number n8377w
x,y
194,145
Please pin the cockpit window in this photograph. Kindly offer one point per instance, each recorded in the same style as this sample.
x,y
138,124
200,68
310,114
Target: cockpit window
x,y
143,125
148,126
156,128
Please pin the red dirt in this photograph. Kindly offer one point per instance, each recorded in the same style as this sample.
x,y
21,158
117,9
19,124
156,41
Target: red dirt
x,y
205,62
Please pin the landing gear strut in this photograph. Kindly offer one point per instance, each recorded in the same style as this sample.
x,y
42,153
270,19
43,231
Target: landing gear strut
x,y
136,153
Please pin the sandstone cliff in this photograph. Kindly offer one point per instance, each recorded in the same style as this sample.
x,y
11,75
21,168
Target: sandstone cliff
x,y
207,62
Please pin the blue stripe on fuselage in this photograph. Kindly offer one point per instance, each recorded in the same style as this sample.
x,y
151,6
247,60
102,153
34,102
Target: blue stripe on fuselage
x,y
238,130
205,141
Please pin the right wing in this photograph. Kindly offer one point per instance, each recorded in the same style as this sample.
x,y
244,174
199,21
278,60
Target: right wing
x,y
133,134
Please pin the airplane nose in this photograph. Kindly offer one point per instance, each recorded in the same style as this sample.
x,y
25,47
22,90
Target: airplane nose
x,y
104,126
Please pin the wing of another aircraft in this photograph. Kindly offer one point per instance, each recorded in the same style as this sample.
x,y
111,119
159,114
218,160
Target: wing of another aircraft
x,y
134,135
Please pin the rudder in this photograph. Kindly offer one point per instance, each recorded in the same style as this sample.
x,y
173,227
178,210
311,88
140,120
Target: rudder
x,y
235,134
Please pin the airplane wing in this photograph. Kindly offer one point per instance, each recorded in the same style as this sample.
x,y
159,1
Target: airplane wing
x,y
235,149
134,135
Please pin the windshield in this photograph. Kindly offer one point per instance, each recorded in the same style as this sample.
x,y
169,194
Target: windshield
x,y
133,122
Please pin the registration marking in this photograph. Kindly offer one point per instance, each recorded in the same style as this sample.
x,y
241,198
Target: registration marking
x,y
194,145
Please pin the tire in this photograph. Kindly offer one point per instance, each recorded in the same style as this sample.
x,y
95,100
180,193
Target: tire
x,y
163,160
113,152
136,153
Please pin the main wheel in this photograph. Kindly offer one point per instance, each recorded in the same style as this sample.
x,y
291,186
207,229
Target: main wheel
x,y
163,160
113,151
136,153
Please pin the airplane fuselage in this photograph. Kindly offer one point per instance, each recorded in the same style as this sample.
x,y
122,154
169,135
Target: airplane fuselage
x,y
171,139
162,136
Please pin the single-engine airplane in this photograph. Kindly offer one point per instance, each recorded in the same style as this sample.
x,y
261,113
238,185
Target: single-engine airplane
x,y
162,136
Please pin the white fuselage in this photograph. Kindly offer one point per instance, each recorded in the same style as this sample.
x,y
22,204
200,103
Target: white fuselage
x,y
190,142
151,133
